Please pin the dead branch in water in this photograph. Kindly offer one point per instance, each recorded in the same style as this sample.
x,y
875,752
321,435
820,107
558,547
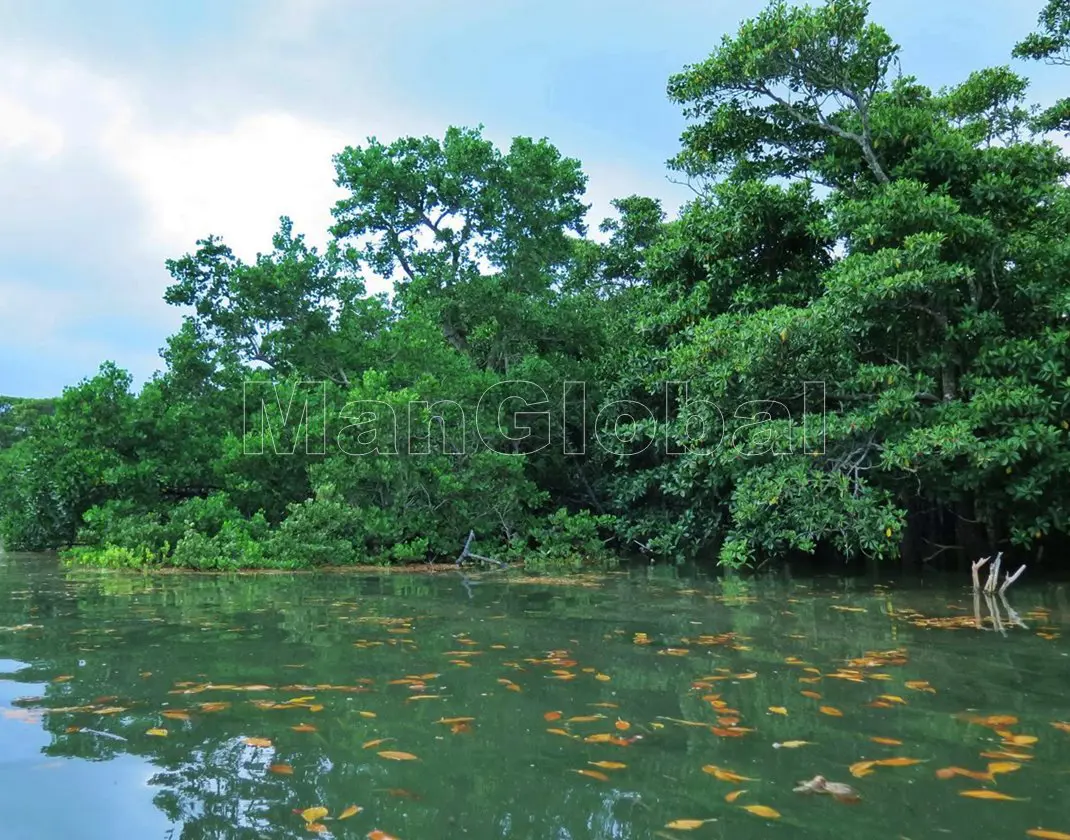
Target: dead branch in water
x,y
468,554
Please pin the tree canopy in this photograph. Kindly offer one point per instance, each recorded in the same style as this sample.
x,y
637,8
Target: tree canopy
x,y
855,340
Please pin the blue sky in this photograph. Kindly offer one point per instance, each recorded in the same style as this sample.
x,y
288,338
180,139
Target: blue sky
x,y
128,130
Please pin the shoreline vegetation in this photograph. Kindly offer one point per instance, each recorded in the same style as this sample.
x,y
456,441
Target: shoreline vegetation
x,y
907,249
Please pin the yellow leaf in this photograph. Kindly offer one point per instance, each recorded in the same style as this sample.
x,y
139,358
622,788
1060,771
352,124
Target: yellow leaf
x,y
318,828
453,720
831,710
622,725
891,742
861,768
594,774
370,744
892,698
734,795
813,695
367,714
989,794
303,727
585,719
1047,834
793,744
1003,767
393,755
763,811
686,825
602,677
162,733
888,533
725,775
898,762
258,742
314,814
176,715
352,810
778,710
281,769
609,765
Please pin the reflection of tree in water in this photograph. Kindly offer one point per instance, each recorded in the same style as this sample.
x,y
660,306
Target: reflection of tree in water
x,y
508,777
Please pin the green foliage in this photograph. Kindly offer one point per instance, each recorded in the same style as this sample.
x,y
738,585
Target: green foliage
x,y
854,340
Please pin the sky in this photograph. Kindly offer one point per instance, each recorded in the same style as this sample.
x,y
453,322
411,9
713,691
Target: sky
x,y
129,130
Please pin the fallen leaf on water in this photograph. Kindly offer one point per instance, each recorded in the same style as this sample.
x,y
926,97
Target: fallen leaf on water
x,y
813,695
1003,767
951,772
559,732
367,714
1006,754
303,727
258,742
176,715
352,810
898,762
162,733
622,725
1047,834
734,795
1018,740
282,769
453,720
585,718
594,774
830,710
64,678
861,768
920,685
369,744
891,742
394,755
376,834
778,710
992,720
313,814
552,716
605,705
318,828
793,744
989,794
609,765
892,698
686,825
725,775
213,707
602,677
763,811
1065,727
750,675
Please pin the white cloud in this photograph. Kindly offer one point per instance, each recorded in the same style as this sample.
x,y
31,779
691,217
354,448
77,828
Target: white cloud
x,y
235,182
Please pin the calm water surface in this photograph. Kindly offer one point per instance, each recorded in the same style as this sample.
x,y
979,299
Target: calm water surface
x,y
208,707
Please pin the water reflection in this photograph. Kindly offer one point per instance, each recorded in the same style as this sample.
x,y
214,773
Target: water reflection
x,y
278,693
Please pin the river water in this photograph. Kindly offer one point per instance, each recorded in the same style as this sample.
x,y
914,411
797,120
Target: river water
x,y
630,705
